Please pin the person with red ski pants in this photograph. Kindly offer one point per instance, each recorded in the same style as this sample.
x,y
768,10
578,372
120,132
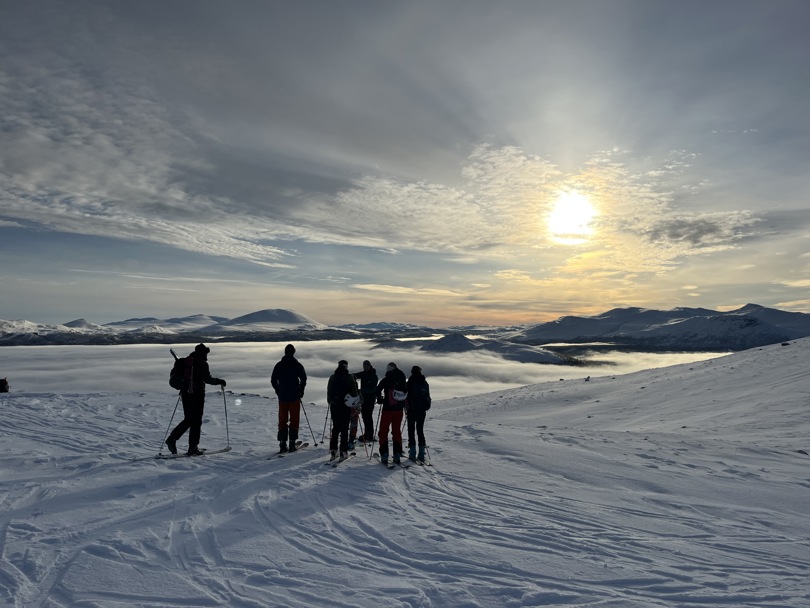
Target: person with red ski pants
x,y
391,394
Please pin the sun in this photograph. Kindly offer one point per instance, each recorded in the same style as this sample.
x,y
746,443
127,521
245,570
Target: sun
x,y
570,220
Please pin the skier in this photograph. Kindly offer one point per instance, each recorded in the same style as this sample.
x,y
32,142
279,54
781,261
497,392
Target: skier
x,y
368,389
341,383
289,379
4,385
391,393
193,396
418,405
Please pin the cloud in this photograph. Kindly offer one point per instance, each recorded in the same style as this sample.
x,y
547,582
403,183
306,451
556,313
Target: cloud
x,y
402,290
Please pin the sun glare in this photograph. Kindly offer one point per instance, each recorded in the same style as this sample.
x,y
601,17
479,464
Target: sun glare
x,y
570,221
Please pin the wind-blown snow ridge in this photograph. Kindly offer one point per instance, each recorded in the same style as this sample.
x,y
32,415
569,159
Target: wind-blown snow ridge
x,y
673,487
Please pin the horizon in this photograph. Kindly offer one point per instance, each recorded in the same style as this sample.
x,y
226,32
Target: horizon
x,y
361,162
349,323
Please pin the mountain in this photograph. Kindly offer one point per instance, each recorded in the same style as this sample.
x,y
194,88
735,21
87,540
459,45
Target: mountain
x,y
268,320
458,343
674,487
631,328
680,328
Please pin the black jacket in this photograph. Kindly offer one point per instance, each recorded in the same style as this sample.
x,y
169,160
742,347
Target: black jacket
x,y
289,379
200,374
368,381
340,384
393,379
418,394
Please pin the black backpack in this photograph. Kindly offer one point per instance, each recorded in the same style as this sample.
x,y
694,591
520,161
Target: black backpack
x,y
180,375
398,392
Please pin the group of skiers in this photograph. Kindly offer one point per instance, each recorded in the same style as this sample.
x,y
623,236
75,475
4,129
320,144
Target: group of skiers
x,y
398,396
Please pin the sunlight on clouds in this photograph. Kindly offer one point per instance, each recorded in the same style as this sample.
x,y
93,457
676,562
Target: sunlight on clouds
x,y
798,283
399,289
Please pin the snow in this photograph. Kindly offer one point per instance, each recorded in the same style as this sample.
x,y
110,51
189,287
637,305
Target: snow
x,y
679,486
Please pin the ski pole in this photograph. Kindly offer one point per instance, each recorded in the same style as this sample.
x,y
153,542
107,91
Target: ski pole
x,y
328,408
166,434
379,413
363,430
227,432
303,409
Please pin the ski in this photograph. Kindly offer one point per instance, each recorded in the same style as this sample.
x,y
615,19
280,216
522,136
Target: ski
x,y
390,465
181,455
299,445
335,462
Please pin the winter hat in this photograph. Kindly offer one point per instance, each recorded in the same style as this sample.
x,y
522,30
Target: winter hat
x,y
344,364
416,370
366,362
202,349
289,349
391,367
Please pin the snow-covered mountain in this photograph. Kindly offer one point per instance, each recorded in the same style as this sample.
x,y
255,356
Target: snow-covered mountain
x,y
679,328
676,329
270,320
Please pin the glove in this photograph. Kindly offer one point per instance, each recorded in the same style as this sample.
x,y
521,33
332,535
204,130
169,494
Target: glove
x,y
222,383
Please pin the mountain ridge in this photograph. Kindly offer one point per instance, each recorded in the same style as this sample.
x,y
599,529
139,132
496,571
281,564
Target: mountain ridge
x,y
680,328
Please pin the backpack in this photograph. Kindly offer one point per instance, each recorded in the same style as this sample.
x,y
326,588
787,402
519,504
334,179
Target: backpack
x,y
180,376
338,388
399,390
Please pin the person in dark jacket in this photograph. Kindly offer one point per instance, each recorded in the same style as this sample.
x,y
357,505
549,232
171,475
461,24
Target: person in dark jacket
x,y
368,390
418,405
391,394
193,396
289,379
340,384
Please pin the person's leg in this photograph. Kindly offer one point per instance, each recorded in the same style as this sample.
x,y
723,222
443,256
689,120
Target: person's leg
x,y
396,433
368,416
295,419
283,417
334,413
344,428
195,424
385,422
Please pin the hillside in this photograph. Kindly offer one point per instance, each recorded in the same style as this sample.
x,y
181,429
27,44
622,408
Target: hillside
x,y
673,487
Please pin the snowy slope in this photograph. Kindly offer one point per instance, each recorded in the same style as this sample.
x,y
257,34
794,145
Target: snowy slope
x,y
674,487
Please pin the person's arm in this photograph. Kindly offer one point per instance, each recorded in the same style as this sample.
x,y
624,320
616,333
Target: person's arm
x,y
302,380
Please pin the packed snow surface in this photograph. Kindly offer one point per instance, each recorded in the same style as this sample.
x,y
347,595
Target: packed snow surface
x,y
681,486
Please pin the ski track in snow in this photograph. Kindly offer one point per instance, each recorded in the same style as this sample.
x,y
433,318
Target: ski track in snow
x,y
517,511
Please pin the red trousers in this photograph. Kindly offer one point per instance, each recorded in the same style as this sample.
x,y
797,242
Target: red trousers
x,y
394,420
289,414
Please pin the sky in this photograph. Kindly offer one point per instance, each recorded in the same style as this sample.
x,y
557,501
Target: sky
x,y
665,488
439,163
